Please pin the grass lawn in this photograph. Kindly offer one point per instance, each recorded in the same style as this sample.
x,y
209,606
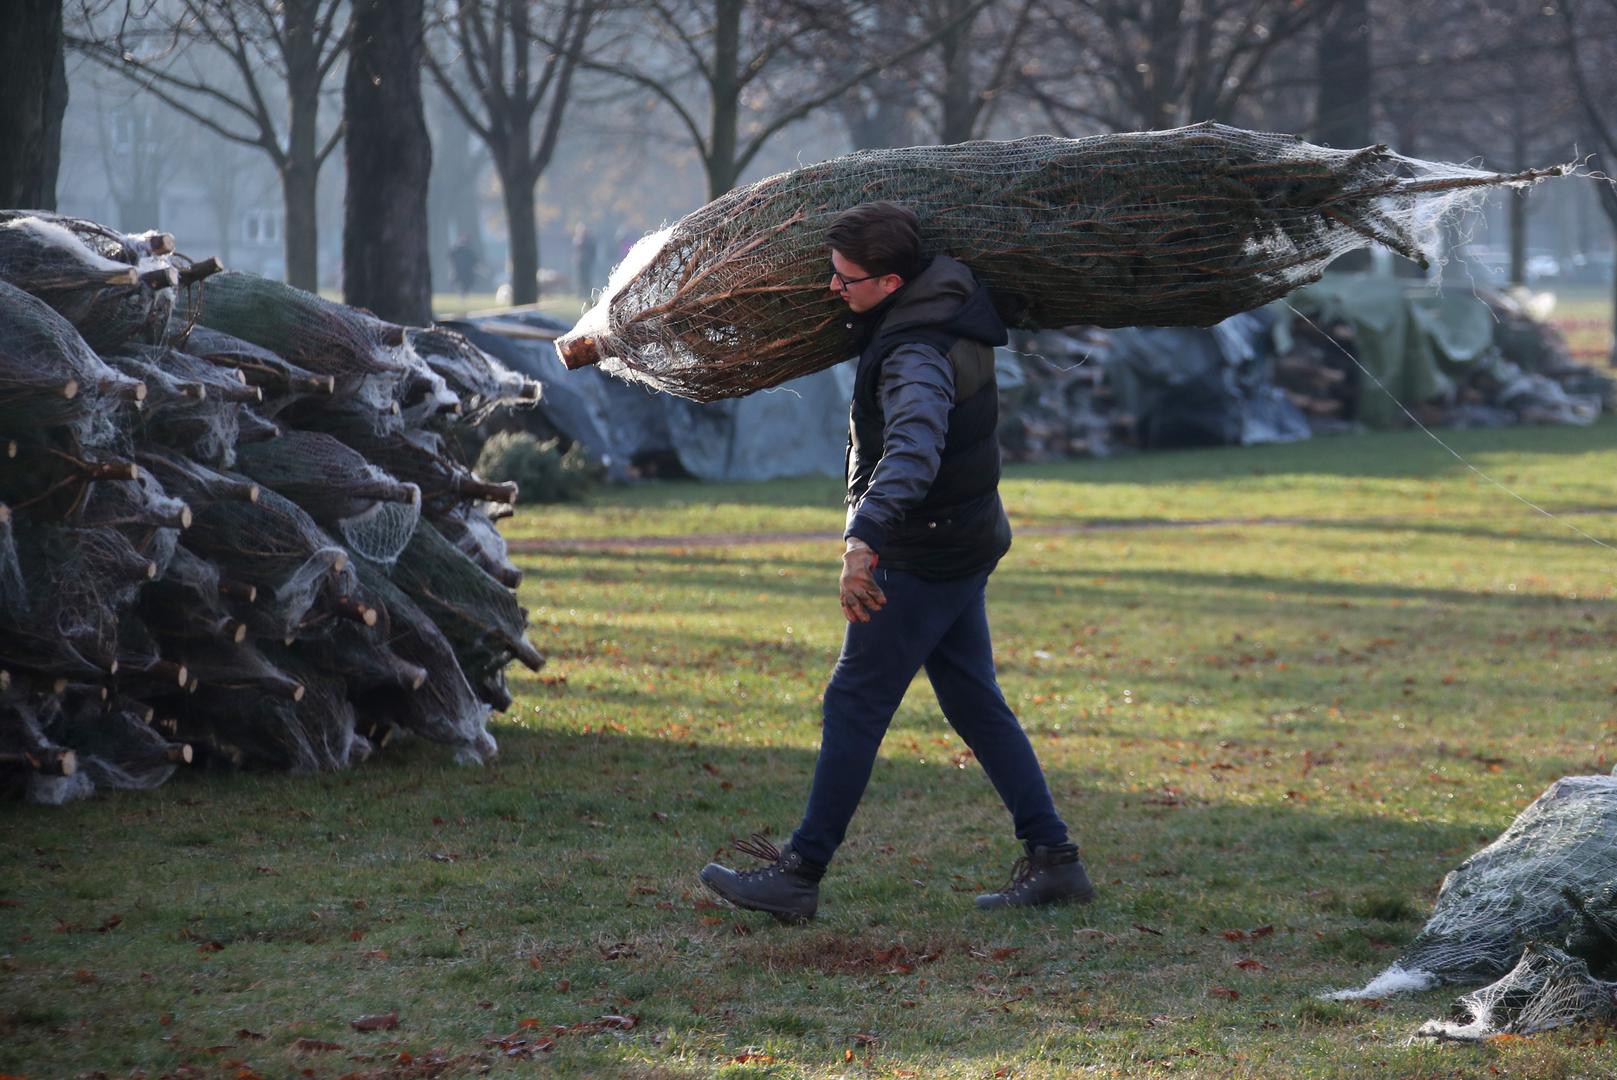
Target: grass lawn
x,y
1282,688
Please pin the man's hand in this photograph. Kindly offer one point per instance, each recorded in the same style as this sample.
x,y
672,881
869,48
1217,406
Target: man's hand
x,y
861,596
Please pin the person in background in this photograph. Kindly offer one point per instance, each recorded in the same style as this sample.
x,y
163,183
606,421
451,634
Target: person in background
x,y
584,260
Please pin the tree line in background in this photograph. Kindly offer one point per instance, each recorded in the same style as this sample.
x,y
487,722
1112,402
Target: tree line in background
x,y
1515,82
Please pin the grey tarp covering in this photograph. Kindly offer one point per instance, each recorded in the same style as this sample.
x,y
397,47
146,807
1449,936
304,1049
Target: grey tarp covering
x,y
1195,387
1202,387
796,429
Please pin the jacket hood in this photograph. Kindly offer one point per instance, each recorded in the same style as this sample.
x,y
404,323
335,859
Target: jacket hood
x,y
947,296
944,296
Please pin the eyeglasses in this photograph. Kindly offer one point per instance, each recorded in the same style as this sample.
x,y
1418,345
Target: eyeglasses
x,y
844,282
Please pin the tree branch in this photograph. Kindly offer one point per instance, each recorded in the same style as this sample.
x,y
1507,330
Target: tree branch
x,y
803,108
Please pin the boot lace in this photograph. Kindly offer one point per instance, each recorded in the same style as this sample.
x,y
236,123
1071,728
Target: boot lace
x,y
759,847
1022,870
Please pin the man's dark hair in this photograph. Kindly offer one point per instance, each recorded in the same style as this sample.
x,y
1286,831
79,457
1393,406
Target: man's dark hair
x,y
882,237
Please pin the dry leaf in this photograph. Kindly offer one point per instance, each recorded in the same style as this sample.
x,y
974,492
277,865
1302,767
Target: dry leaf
x,y
1225,992
314,1046
380,1022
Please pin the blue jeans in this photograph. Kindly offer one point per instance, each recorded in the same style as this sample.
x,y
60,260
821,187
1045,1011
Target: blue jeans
x,y
942,626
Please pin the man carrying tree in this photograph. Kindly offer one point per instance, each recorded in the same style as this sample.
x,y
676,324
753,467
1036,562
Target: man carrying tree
x,y
925,529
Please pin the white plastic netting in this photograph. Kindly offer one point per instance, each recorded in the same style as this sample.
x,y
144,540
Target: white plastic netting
x,y
1180,227
49,376
1553,868
1547,989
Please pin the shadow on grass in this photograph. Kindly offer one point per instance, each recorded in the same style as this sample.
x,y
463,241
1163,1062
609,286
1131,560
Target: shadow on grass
x,y
560,883
1383,455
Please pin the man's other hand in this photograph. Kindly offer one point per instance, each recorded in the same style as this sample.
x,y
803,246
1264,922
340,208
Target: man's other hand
x,y
861,596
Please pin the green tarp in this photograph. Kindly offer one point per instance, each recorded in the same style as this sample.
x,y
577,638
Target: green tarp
x,y
1417,340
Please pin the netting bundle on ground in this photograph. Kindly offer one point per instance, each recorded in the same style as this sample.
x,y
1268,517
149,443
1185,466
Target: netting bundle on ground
x,y
1181,227
1535,910
198,552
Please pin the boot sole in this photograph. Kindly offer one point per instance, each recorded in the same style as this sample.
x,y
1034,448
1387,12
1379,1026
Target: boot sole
x,y
787,918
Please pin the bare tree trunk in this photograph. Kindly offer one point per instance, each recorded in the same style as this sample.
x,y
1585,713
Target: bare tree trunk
x,y
301,172
302,239
1342,117
722,173
1608,203
522,230
452,202
1517,199
33,97
959,115
389,158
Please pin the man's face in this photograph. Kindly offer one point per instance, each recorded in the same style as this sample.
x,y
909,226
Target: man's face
x,y
861,289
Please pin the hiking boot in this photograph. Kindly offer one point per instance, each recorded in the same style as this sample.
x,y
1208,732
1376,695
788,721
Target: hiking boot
x,y
788,889
1045,875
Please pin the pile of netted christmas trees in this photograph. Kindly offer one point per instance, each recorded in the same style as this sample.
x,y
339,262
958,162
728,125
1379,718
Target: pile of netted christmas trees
x,y
232,521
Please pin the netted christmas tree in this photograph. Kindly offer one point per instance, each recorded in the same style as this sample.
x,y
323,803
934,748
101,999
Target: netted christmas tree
x,y
1534,914
1167,228
215,504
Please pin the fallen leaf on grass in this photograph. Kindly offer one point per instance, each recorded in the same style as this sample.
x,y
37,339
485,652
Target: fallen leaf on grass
x,y
314,1046
1233,935
1261,931
1144,929
748,1056
83,977
1250,964
380,1022
243,1033
375,954
1225,992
